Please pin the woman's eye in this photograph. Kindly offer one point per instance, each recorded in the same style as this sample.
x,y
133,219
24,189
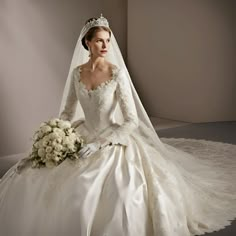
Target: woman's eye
x,y
100,40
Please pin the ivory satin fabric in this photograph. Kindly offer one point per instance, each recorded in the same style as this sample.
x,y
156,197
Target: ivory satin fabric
x,y
129,188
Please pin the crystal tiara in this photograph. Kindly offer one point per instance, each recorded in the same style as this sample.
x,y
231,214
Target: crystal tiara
x,y
101,21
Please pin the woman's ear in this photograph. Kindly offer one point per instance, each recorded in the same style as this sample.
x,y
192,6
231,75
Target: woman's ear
x,y
87,43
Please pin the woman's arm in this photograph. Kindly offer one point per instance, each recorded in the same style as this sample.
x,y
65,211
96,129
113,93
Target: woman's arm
x,y
71,102
124,95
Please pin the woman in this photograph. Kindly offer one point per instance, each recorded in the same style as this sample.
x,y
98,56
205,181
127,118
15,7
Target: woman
x,y
127,182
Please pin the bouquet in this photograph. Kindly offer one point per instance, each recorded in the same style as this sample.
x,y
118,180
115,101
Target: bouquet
x,y
55,141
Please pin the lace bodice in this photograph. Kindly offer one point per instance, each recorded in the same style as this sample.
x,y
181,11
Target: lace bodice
x,y
99,105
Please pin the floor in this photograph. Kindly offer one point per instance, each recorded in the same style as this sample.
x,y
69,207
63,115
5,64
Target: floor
x,y
162,123
216,131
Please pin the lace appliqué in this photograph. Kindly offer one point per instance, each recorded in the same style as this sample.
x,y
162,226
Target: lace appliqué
x,y
71,101
124,96
202,174
101,85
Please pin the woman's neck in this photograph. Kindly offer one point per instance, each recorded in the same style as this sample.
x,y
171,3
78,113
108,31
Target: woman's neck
x,y
95,63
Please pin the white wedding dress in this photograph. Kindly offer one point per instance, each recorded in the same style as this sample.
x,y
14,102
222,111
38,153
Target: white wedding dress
x,y
126,189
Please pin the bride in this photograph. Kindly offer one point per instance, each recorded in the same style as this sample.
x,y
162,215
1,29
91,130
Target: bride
x,y
127,182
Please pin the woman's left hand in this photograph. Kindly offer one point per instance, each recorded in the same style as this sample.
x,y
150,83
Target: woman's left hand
x,y
91,148
88,149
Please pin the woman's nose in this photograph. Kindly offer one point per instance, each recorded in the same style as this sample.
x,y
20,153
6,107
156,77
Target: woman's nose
x,y
104,45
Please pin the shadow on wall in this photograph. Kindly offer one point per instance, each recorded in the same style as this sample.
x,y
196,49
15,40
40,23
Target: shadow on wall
x,y
37,42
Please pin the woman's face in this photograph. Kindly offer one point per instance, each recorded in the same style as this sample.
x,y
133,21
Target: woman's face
x,y
99,45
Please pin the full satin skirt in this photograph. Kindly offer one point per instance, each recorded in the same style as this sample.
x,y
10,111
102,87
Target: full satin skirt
x,y
125,190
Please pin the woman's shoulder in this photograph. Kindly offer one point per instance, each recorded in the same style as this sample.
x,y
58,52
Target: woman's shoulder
x,y
113,66
108,65
80,67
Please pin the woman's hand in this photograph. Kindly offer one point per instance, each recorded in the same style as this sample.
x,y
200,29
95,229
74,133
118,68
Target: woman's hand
x,y
91,148
88,149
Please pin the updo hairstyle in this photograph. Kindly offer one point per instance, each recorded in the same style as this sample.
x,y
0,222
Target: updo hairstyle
x,y
92,31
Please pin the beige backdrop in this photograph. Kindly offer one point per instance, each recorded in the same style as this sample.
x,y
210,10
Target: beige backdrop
x,y
37,40
180,55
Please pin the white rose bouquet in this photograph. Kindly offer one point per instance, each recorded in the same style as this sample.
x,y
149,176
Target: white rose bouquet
x,y
55,141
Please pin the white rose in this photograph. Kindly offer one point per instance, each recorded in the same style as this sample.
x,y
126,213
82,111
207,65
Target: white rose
x,y
50,164
66,140
40,134
64,124
41,152
64,148
72,142
45,141
40,143
59,132
73,136
36,144
42,124
54,143
46,129
59,140
56,153
53,122
49,156
48,149
58,147
56,158
54,136
71,147
35,135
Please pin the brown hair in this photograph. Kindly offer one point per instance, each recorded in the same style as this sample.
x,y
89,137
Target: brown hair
x,y
92,31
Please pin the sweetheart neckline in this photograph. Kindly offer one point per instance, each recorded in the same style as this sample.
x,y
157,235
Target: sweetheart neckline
x,y
101,85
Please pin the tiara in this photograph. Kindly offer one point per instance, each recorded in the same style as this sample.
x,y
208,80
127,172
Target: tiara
x,y
101,21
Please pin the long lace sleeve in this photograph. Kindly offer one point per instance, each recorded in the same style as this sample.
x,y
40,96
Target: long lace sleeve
x,y
71,102
124,95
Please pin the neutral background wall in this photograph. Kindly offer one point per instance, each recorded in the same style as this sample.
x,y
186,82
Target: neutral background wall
x,y
37,40
181,54
234,36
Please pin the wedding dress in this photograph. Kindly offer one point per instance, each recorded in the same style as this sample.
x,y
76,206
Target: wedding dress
x,y
128,188
136,186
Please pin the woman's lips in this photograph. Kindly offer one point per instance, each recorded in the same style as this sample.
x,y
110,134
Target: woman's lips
x,y
103,51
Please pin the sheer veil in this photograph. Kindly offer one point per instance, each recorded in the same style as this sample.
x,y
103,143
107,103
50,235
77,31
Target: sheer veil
x,y
192,164
207,150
